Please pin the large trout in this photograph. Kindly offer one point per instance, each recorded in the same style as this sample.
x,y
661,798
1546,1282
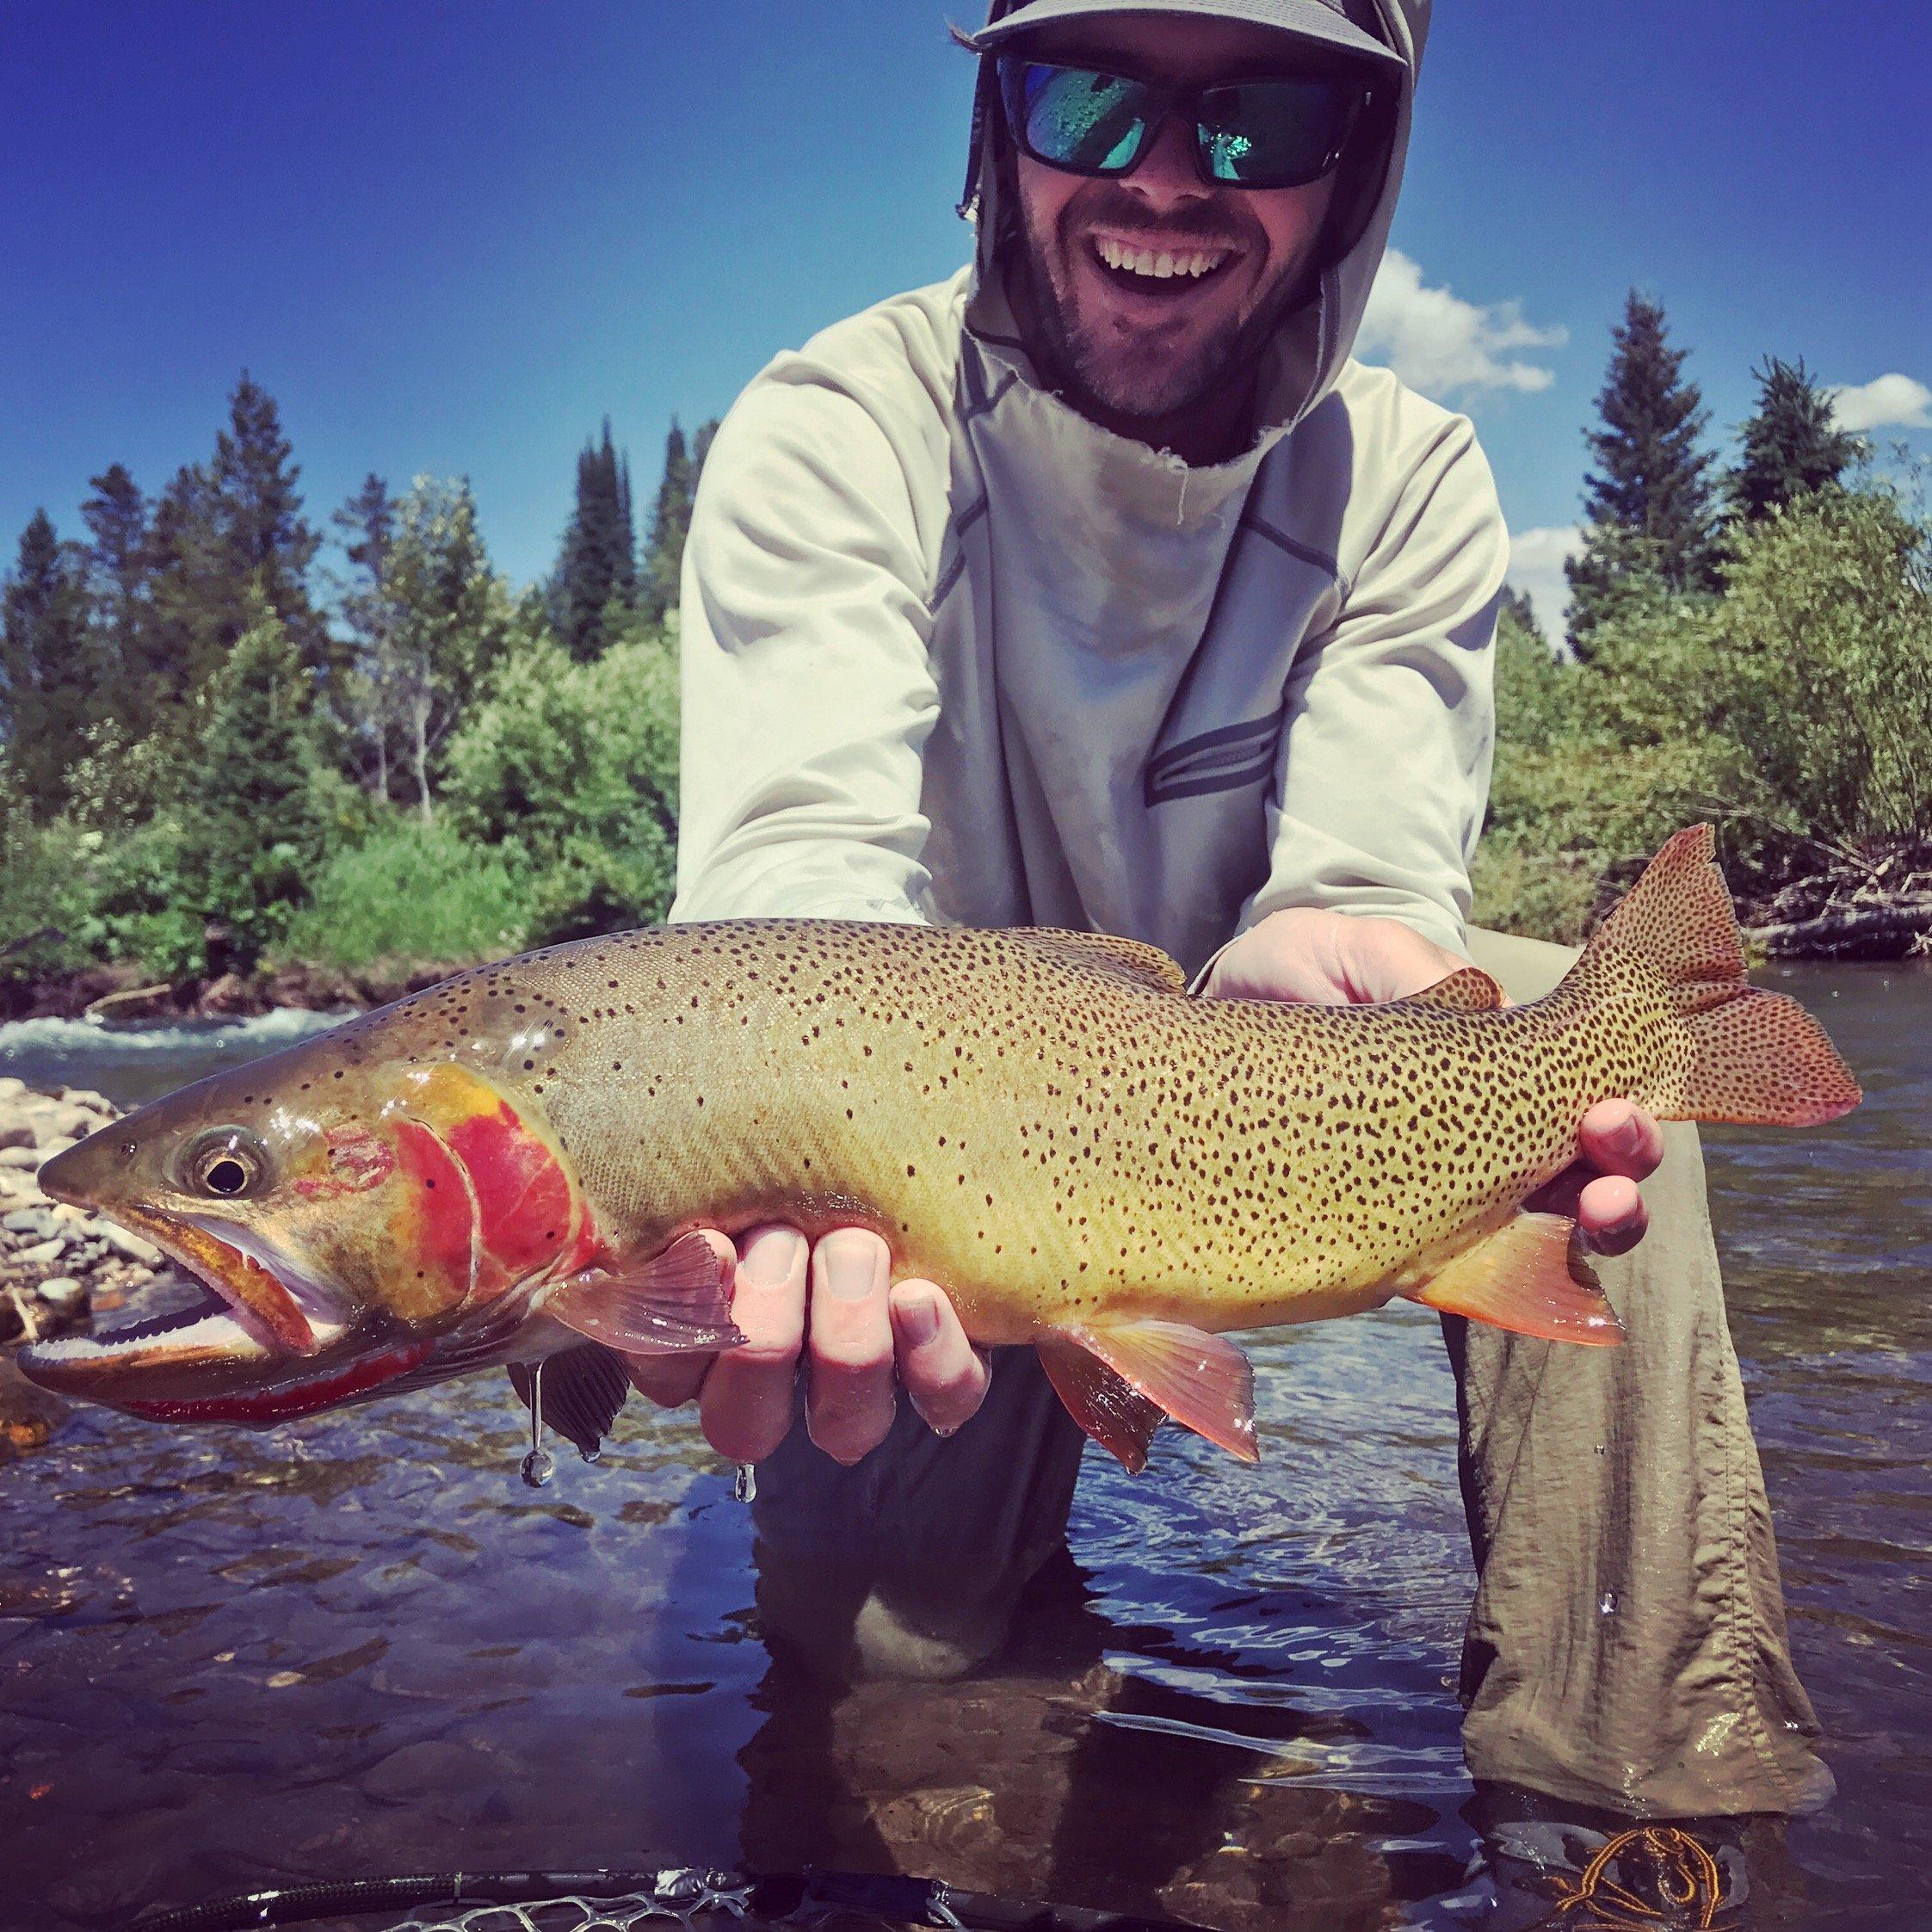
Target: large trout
x,y
510,1167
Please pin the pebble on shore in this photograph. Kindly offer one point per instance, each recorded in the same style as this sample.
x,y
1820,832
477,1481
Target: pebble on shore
x,y
58,1264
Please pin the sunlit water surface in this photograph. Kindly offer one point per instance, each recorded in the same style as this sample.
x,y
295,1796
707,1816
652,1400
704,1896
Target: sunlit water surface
x,y
359,1645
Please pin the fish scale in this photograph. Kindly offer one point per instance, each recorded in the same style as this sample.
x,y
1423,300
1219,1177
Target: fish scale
x,y
1046,1124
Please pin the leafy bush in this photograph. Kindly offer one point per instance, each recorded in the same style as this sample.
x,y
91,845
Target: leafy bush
x,y
1826,665
571,769
411,894
1794,710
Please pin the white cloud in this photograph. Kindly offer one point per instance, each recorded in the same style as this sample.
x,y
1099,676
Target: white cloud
x,y
1439,344
1536,560
1886,402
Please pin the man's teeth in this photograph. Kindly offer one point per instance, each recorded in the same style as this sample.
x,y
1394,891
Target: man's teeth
x,y
1158,264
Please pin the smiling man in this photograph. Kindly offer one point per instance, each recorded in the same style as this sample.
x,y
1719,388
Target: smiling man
x,y
1100,587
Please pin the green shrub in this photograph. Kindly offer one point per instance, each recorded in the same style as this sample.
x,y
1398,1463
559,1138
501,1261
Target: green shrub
x,y
410,895
572,768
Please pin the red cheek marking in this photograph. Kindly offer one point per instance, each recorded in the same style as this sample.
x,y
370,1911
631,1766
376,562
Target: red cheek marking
x,y
277,1406
526,1213
440,1238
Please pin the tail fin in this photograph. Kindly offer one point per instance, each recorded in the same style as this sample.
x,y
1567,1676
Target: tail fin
x,y
1759,1057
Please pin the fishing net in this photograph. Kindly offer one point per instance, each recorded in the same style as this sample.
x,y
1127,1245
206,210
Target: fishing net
x,y
685,1898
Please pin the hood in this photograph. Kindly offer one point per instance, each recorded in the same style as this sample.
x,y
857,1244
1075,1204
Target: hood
x,y
1316,337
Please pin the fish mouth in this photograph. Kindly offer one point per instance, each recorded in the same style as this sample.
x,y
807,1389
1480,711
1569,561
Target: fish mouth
x,y
256,1314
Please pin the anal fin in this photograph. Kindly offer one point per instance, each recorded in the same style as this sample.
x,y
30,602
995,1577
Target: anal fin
x,y
583,1388
1203,1381
1528,1277
679,1299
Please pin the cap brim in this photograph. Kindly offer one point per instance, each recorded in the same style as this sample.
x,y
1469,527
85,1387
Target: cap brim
x,y
1306,19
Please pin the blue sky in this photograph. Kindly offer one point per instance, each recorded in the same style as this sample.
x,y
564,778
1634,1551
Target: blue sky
x,y
451,238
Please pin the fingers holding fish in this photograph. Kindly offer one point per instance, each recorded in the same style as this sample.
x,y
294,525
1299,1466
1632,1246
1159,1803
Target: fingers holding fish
x,y
945,1376
850,1392
746,1406
1619,1145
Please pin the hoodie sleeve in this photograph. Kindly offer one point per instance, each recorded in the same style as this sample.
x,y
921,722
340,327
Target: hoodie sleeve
x,y
807,695
1391,719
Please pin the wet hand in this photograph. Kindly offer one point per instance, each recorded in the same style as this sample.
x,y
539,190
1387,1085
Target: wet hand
x,y
1619,1146
859,1333
1338,957
1330,959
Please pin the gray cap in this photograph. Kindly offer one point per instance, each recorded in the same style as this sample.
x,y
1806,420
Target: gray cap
x,y
1322,21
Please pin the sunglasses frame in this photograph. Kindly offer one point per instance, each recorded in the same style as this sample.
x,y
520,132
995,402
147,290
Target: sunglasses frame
x,y
1162,101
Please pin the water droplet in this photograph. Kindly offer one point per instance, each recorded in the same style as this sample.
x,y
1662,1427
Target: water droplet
x,y
595,1454
1602,1448
1607,1603
744,1483
538,1468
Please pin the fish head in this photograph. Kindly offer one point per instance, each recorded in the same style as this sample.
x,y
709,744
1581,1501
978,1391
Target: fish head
x,y
358,1224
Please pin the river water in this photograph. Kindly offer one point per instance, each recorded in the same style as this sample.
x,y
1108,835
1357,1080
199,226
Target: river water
x,y
358,1645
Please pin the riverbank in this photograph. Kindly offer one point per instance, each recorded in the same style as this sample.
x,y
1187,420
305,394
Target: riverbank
x,y
124,995
58,1264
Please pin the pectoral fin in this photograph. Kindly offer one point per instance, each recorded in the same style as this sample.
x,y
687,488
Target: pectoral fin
x,y
1122,1422
583,1388
1528,1277
1119,1378
681,1298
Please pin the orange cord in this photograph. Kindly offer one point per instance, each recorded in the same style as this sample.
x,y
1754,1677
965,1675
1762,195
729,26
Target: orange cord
x,y
1685,1875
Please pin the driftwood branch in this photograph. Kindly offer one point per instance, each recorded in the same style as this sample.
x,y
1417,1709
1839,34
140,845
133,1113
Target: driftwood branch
x,y
1886,928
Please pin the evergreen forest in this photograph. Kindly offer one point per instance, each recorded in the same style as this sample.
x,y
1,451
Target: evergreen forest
x,y
245,757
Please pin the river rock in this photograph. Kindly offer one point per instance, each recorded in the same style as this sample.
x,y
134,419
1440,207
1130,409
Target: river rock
x,y
86,1097
12,1090
26,1157
57,1145
16,1134
131,1245
28,1220
62,1291
41,1253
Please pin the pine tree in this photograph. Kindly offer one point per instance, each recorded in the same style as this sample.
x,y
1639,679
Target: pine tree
x,y
364,695
267,545
1514,607
254,835
118,566
671,519
1647,505
50,688
1791,444
598,566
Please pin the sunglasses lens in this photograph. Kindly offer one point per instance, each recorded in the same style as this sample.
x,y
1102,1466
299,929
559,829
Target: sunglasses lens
x,y
1072,117
1276,133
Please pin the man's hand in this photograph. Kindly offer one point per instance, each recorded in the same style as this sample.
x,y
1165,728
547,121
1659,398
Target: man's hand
x,y
835,1304
1339,958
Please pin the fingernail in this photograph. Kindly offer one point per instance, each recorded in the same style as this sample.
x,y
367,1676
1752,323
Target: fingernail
x,y
1627,1138
770,1256
920,1320
851,1267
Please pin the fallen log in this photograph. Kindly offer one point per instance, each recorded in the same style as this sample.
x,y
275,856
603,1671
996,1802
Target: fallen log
x,y
1872,931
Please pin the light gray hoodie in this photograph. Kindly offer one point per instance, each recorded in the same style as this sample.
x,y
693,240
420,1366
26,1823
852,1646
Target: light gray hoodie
x,y
953,653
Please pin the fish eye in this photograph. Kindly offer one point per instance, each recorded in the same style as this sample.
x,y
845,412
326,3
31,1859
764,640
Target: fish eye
x,y
227,1163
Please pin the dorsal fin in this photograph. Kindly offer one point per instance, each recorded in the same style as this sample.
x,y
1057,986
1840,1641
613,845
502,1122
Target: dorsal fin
x,y
1125,959
1470,991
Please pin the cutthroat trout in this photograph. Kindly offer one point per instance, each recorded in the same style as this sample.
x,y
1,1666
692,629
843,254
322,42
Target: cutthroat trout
x,y
511,1166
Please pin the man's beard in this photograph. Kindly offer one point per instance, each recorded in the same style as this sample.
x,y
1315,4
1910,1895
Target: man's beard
x,y
1101,381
